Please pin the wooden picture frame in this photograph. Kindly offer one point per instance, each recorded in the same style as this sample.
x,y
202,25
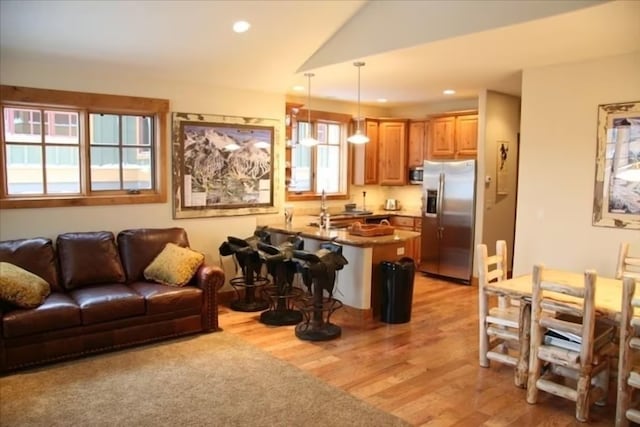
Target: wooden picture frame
x,y
616,201
223,165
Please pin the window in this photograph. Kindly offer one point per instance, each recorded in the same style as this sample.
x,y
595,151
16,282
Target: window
x,y
324,166
63,148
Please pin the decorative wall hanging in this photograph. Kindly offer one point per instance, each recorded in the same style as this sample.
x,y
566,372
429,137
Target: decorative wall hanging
x,y
616,201
223,165
502,174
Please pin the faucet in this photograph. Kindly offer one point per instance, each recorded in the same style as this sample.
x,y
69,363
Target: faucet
x,y
323,211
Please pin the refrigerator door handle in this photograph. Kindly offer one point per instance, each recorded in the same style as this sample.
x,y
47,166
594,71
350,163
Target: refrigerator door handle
x,y
440,198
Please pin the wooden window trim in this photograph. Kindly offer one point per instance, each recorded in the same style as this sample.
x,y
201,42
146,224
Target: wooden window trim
x,y
329,117
158,108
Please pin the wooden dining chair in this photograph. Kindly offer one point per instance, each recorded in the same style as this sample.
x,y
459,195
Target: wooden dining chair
x,y
628,371
574,347
499,323
627,265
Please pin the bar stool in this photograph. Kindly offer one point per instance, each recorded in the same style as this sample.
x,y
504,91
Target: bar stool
x,y
319,274
247,260
281,294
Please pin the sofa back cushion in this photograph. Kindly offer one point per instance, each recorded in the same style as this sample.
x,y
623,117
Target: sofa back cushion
x,y
138,247
35,255
89,258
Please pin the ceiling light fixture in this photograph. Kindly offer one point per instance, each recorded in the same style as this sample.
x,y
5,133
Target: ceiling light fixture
x,y
241,26
308,141
449,92
358,137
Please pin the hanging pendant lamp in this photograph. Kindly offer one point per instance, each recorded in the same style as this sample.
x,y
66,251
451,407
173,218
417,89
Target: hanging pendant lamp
x,y
308,141
359,137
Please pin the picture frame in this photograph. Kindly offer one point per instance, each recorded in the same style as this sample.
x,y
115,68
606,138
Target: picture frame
x,y
223,165
616,201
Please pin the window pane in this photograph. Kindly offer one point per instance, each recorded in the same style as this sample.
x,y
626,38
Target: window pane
x,y
302,131
22,125
63,130
105,168
136,169
63,170
321,129
328,166
300,168
136,130
104,129
24,169
334,134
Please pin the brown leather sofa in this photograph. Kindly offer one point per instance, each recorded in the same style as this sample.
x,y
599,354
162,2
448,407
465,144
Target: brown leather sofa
x,y
99,298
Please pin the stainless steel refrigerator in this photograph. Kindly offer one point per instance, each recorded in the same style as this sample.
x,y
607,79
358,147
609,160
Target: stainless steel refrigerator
x,y
448,217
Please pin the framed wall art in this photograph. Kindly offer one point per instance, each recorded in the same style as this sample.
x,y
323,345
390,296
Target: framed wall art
x,y
223,165
616,201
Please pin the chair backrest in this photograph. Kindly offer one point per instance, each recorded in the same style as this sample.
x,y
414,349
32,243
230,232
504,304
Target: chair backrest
x,y
551,297
628,340
627,265
494,267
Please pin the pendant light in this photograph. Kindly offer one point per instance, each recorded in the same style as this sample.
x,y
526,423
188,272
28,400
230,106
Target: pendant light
x,y
308,141
358,137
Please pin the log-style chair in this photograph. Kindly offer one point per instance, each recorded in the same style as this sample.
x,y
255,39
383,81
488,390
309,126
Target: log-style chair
x,y
499,324
627,265
567,338
628,371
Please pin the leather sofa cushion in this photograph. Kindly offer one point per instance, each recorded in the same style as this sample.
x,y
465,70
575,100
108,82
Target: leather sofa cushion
x,y
89,258
140,246
34,255
57,312
168,299
102,303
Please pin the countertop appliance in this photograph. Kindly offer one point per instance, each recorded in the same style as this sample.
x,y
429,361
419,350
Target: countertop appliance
x,y
391,205
415,175
448,217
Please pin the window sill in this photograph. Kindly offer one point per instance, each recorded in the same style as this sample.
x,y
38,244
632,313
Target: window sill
x,y
57,202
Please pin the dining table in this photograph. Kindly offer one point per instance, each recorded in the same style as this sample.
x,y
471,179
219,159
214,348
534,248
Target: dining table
x,y
608,303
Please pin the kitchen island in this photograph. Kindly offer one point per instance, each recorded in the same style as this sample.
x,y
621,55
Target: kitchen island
x,y
358,283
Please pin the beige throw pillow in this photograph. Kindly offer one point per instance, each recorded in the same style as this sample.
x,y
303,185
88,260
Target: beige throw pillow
x,y
21,287
174,266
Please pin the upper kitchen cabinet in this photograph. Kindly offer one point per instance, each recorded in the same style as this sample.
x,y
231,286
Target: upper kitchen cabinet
x,y
454,136
392,152
365,156
467,135
291,113
417,147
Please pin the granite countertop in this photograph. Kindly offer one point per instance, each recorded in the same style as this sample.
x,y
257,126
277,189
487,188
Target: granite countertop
x,y
300,226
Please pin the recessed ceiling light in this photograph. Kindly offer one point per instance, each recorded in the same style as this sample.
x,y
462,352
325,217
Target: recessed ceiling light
x,y
449,92
298,88
241,26
382,100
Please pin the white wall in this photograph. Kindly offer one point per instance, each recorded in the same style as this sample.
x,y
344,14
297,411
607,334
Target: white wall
x,y
501,122
557,164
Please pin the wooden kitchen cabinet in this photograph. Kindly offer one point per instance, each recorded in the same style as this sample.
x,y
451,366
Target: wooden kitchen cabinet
x,y
453,137
417,146
409,223
291,123
392,152
467,135
365,156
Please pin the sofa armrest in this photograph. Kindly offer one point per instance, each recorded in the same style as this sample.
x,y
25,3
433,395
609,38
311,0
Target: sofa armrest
x,y
210,279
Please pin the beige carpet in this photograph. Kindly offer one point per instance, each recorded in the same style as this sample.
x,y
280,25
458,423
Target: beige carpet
x,y
215,380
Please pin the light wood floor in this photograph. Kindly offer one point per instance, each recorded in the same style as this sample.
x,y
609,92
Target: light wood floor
x,y
425,371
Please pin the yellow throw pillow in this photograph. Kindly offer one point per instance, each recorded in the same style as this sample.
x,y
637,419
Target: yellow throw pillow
x,y
21,287
174,266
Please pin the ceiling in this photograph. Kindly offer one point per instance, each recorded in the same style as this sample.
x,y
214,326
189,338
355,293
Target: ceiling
x,y
412,49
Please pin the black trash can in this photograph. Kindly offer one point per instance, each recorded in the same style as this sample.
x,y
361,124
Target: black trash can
x,y
397,290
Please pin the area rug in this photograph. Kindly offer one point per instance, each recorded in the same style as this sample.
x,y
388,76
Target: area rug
x,y
214,380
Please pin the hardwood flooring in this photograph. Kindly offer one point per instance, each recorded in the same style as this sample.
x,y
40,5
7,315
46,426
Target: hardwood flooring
x,y
425,371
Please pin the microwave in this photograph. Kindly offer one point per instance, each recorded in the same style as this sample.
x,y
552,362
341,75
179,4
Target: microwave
x,y
415,175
